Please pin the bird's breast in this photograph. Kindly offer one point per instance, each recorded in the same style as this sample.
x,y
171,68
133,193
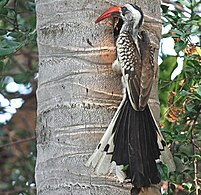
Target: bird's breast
x,y
126,52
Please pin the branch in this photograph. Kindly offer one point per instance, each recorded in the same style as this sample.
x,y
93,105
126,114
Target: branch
x,y
194,152
18,142
177,6
195,177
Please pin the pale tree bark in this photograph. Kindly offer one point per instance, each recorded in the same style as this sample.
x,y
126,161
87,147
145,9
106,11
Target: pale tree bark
x,y
78,92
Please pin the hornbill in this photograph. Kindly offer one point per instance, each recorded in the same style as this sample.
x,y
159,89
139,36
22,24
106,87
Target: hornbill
x,y
132,142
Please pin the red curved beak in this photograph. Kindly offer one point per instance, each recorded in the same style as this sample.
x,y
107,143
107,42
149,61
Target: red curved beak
x,y
114,11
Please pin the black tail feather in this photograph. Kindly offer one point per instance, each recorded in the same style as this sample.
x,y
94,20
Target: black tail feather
x,y
135,145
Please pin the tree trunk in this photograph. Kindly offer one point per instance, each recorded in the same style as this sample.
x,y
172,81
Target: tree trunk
x,y
78,92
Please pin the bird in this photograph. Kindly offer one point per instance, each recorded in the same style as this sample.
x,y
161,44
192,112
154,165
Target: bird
x,y
132,143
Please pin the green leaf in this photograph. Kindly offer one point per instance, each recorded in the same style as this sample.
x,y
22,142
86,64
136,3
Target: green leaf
x,y
164,8
166,35
163,171
179,46
7,51
2,65
3,13
184,93
189,107
186,149
16,35
30,6
23,77
177,31
179,164
188,185
9,43
197,156
8,47
125,168
3,3
199,90
186,3
167,66
3,32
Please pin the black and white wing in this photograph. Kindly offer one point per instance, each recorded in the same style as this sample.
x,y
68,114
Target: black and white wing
x,y
136,59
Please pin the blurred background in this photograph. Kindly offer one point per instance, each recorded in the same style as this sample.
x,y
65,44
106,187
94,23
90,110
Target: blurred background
x,y
179,93
18,67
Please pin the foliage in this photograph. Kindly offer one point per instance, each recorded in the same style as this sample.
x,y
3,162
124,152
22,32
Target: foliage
x,y
17,64
181,97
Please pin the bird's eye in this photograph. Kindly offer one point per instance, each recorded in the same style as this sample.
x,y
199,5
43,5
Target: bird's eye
x,y
124,10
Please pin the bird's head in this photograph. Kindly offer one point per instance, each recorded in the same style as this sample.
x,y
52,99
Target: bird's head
x,y
130,14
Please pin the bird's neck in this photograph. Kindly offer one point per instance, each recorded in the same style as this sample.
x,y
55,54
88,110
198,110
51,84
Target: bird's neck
x,y
131,28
